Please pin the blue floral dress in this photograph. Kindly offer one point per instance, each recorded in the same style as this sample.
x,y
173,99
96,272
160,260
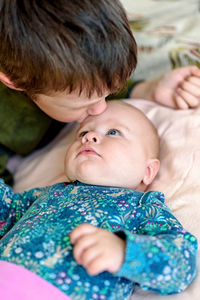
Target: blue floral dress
x,y
35,226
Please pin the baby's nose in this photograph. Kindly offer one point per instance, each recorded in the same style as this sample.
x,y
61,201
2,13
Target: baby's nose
x,y
90,136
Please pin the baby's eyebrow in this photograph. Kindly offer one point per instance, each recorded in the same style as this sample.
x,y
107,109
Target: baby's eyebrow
x,y
125,127
120,126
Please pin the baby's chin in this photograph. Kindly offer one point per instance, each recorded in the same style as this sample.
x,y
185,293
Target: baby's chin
x,y
85,172
95,176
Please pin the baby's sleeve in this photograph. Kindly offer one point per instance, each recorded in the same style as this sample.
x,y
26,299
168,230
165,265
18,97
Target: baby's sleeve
x,y
12,206
161,255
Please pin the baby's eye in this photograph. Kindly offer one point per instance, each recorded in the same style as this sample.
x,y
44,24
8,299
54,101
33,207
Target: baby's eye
x,y
113,132
81,134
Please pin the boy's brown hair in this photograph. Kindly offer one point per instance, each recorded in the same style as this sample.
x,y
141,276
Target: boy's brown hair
x,y
69,45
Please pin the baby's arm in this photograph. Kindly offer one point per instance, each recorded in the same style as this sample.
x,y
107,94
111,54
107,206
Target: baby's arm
x,y
179,88
161,256
97,250
12,206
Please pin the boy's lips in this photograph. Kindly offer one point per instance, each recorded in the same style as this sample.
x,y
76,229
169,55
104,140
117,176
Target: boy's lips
x,y
87,150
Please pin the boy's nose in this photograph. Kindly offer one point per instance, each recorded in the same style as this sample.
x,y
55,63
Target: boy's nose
x,y
90,136
97,108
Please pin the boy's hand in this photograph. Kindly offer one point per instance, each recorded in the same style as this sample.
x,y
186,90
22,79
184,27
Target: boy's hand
x,y
179,88
97,250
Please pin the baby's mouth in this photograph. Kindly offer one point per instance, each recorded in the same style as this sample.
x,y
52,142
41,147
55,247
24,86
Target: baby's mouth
x,y
87,150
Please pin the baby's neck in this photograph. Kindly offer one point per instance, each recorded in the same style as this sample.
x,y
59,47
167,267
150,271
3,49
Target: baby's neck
x,y
63,178
58,179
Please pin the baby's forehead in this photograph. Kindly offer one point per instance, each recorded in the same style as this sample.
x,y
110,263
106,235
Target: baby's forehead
x,y
117,112
125,112
121,107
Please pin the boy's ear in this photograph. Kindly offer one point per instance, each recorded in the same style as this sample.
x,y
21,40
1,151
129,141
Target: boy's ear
x,y
151,171
5,80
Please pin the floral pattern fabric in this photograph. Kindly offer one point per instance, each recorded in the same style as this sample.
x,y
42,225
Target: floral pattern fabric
x,y
35,227
167,34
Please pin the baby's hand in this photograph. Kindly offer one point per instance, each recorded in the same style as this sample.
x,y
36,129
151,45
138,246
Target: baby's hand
x,y
97,250
179,88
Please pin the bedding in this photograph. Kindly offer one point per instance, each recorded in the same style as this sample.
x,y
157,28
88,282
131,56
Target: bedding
x,y
167,34
178,176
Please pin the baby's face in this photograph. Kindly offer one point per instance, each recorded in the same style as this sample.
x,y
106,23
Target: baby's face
x,y
109,149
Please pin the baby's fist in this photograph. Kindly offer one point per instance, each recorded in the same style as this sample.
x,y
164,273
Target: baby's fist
x,y
97,250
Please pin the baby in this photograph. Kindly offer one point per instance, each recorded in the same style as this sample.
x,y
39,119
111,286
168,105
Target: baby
x,y
100,222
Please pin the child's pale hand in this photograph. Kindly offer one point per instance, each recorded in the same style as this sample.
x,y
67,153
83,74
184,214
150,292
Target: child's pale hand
x,y
179,88
96,249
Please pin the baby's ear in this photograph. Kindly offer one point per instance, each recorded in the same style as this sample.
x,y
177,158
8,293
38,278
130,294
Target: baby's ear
x,y
151,171
6,80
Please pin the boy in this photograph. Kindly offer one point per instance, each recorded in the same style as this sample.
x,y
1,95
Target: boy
x,y
67,56
131,236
